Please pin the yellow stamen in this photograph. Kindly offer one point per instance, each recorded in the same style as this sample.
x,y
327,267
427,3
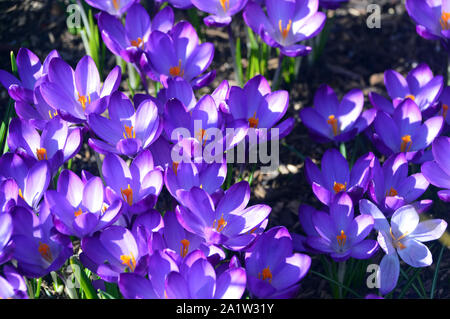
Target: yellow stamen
x,y
397,242
444,110
406,139
104,208
391,192
20,193
127,195
129,261
332,120
253,121
225,4
341,239
138,43
220,224
78,212
266,274
175,167
184,247
116,4
176,70
202,136
52,115
129,132
444,20
41,153
338,187
284,31
83,100
410,96
45,252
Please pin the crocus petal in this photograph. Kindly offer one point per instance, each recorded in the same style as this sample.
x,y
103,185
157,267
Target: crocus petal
x,y
429,230
415,254
388,273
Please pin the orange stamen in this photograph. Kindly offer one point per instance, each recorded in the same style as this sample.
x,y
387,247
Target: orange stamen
x,y
338,187
129,261
266,274
202,136
406,139
78,212
45,252
83,100
116,4
176,70
127,195
20,193
397,242
444,20
284,31
341,239
332,120
184,247
220,224
391,192
138,43
444,110
410,96
253,121
41,153
52,115
129,132
175,167
225,4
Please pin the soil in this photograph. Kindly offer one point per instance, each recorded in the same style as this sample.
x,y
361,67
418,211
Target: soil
x,y
355,56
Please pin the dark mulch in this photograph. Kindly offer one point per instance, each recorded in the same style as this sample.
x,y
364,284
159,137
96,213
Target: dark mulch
x,y
355,56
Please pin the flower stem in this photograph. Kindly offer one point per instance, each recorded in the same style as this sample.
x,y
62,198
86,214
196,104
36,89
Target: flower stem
x,y
433,286
343,150
234,48
341,275
276,79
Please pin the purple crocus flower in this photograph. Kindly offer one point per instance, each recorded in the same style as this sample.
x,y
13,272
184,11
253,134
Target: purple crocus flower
x,y
432,18
391,187
257,107
12,284
183,56
137,185
31,177
6,230
56,144
9,194
181,177
420,85
130,41
286,24
437,172
228,222
112,252
336,177
31,73
331,120
127,131
341,235
78,208
403,237
273,270
75,94
300,242
177,88
221,11
403,132
39,248
113,7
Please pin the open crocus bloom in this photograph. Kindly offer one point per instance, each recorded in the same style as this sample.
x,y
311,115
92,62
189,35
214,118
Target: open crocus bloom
x,y
127,131
432,18
183,56
403,237
31,73
221,10
273,270
79,208
336,177
56,144
39,249
112,252
331,120
194,278
341,235
420,85
32,178
113,7
75,94
130,41
286,24
258,108
391,187
403,132
137,185
228,222
437,172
